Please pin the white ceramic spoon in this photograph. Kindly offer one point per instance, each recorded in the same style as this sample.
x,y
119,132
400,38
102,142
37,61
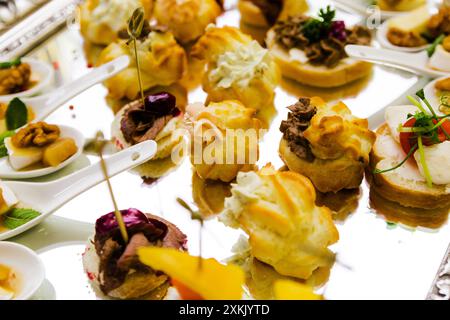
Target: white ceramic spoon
x,y
44,105
8,172
46,197
27,266
364,8
416,62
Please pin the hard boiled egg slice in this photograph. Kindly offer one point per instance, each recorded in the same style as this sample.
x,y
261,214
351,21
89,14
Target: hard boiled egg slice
x,y
7,198
396,116
20,158
440,59
437,158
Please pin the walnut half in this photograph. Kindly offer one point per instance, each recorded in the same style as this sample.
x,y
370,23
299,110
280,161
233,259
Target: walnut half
x,y
37,134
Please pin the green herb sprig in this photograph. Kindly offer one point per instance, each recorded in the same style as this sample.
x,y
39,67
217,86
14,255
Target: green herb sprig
x,y
432,48
314,29
17,217
135,27
10,64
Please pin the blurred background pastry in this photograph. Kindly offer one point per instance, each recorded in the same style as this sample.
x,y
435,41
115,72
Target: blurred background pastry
x,y
238,68
264,13
285,227
326,143
162,62
186,19
312,50
400,5
225,139
102,20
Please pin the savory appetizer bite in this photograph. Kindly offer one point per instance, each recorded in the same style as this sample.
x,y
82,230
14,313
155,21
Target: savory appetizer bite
x,y
264,13
400,5
312,50
195,278
418,27
39,145
162,62
113,266
225,139
15,76
157,119
286,229
238,68
186,19
101,21
326,143
410,159
443,92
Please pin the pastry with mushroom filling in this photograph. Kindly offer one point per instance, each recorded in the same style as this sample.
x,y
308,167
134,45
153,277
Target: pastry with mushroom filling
x,y
264,13
312,50
238,68
186,19
102,20
326,143
410,160
158,119
162,62
113,266
285,228
225,139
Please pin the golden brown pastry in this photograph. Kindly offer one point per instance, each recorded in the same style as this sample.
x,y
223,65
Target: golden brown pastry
x,y
162,63
264,13
225,139
326,143
400,5
102,20
238,68
187,19
285,228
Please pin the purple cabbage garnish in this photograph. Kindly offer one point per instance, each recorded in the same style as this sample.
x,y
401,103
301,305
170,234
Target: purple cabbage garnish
x,y
108,223
338,30
161,104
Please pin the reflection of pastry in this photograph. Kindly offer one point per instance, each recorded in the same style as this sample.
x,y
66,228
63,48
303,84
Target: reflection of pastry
x,y
187,19
419,182
159,119
286,229
209,195
114,267
162,63
342,203
225,139
318,59
238,68
101,20
326,143
264,13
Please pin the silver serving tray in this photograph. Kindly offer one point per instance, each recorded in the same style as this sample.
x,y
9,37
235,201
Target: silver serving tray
x,y
375,259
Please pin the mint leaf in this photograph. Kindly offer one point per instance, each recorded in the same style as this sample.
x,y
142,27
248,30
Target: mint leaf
x,y
18,217
10,64
16,114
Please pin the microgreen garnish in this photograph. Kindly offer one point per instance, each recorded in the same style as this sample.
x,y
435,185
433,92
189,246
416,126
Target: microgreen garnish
x,y
432,48
99,146
425,127
135,27
195,215
314,29
9,64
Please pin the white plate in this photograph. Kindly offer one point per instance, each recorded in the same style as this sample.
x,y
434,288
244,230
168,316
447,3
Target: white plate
x,y
27,266
7,172
431,95
41,72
